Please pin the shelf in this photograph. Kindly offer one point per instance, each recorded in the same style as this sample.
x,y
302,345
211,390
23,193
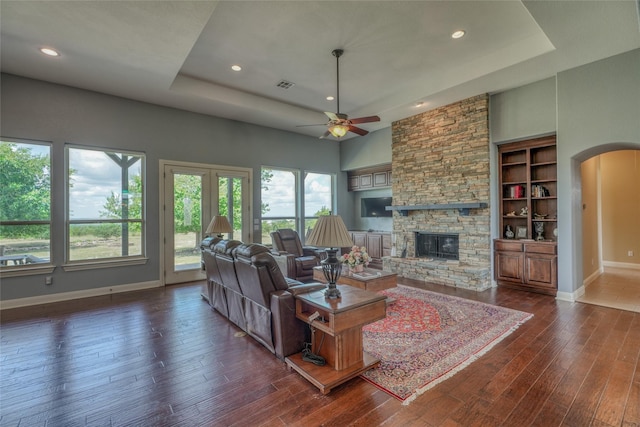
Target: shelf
x,y
525,263
463,208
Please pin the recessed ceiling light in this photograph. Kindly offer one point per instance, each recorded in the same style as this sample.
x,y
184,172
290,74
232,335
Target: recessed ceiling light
x,y
458,34
330,98
50,52
236,67
419,104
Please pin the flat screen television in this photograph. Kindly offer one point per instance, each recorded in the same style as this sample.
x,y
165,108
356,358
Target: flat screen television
x,y
374,207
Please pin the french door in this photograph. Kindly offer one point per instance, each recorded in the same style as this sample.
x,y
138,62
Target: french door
x,y
192,195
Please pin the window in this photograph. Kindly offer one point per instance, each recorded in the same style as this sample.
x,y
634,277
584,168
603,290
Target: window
x,y
318,198
286,205
25,204
279,201
105,209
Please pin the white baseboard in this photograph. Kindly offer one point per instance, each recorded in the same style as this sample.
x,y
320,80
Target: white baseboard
x,y
570,296
85,293
592,277
621,265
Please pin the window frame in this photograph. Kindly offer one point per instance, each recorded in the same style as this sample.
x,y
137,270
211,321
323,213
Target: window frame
x,y
117,261
40,267
301,217
333,196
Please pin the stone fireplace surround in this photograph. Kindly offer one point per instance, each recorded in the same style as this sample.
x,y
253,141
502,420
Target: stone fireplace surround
x,y
440,158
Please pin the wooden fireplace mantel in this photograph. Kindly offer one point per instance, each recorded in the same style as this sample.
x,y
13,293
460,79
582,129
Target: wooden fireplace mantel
x,y
463,208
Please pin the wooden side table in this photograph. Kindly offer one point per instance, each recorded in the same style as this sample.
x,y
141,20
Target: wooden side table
x,y
371,279
338,335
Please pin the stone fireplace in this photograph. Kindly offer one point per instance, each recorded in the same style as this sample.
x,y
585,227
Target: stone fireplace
x,y
440,164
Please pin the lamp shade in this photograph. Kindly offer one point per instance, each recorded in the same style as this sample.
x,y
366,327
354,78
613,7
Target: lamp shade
x,y
330,232
219,224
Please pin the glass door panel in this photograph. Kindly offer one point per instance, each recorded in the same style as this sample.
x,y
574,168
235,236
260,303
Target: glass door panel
x,y
187,213
192,196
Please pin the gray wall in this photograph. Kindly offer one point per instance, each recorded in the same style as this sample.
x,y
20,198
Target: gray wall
x,y
37,110
361,152
523,112
369,150
598,111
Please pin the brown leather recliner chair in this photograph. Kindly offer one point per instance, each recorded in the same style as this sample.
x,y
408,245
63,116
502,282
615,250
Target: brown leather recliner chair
x,y
295,261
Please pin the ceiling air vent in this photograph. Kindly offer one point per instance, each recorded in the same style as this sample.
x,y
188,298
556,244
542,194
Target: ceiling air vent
x,y
285,84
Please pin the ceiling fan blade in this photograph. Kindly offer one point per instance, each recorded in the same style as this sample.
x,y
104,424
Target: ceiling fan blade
x,y
332,116
368,119
326,134
317,124
357,130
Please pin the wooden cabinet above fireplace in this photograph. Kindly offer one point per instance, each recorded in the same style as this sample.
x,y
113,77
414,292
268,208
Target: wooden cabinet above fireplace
x,y
370,178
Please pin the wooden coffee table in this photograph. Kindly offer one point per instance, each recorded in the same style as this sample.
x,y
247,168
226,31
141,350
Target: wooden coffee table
x,y
370,280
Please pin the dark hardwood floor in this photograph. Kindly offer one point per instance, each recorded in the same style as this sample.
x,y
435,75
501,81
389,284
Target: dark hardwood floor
x,y
162,357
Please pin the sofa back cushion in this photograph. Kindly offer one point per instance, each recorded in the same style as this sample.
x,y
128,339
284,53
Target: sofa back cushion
x,y
224,260
258,273
287,240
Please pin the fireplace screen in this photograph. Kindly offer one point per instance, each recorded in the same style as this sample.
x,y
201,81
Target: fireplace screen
x,y
437,245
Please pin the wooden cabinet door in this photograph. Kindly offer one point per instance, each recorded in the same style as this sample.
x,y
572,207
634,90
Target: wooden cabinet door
x,y
540,270
374,245
359,238
509,266
386,244
366,181
380,179
354,183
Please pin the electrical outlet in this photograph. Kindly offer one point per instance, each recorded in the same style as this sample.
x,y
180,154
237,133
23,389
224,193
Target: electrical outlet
x,y
48,280
630,253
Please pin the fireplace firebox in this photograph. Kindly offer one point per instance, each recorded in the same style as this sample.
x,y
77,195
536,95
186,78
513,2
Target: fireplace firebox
x,y
437,245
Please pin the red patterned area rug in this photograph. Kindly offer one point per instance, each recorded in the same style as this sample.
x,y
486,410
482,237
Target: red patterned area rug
x,y
428,337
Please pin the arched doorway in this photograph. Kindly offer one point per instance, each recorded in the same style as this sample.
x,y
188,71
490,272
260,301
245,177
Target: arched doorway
x,y
610,189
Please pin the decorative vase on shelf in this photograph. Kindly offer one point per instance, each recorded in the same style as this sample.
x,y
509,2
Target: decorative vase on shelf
x,y
539,227
509,234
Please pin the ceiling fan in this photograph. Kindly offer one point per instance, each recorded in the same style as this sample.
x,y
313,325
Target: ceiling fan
x,y
339,124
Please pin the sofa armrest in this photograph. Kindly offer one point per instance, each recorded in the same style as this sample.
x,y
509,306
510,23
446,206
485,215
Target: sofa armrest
x,y
289,332
313,251
286,262
306,288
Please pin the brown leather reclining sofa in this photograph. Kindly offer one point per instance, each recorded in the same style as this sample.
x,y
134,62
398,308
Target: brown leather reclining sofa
x,y
245,284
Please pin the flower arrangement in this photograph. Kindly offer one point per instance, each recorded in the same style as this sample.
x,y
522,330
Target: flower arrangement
x,y
357,256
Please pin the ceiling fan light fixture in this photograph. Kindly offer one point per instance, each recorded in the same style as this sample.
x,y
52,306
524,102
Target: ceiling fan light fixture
x,y
338,131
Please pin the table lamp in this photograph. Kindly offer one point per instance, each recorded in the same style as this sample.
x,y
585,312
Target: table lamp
x,y
330,233
219,224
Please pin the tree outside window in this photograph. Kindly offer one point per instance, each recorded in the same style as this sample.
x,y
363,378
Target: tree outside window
x,y
25,203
